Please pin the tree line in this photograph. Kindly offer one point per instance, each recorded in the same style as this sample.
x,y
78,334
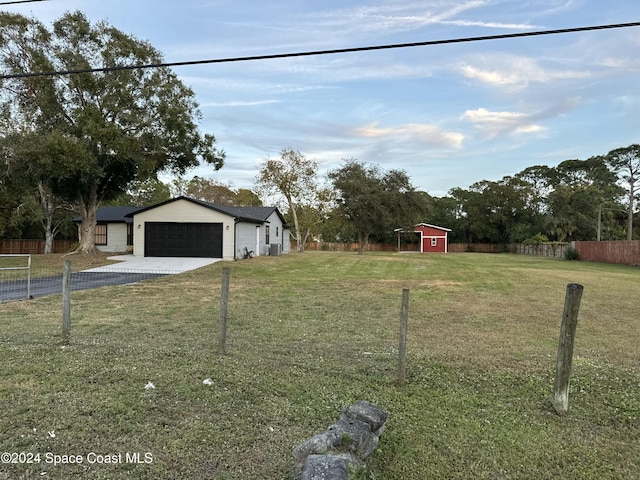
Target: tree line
x,y
593,199
71,143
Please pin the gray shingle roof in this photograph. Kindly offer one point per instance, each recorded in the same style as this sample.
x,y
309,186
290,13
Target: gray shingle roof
x,y
113,214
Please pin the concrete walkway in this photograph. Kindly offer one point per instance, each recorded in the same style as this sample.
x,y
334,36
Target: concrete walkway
x,y
159,265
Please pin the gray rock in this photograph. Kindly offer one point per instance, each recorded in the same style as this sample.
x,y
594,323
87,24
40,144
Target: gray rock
x,y
318,444
324,467
366,412
355,435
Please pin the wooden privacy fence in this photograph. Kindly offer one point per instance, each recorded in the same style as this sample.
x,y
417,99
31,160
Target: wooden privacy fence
x,y
625,252
353,247
544,250
33,247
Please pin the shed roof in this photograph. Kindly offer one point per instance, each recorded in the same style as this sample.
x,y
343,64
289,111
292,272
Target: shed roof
x,y
433,226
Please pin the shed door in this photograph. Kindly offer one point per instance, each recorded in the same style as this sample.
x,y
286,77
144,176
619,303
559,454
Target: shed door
x,y
171,239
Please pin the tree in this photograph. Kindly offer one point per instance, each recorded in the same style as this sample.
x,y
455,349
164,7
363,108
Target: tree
x,y
209,190
29,160
115,127
582,187
625,162
247,198
142,193
294,177
375,202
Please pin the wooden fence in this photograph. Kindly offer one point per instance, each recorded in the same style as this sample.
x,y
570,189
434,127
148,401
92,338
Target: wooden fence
x,y
353,247
543,250
546,250
34,247
617,251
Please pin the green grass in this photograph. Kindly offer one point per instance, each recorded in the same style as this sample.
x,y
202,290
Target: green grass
x,y
309,334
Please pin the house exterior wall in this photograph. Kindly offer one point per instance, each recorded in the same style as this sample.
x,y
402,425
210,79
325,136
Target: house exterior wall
x,y
277,234
245,238
116,238
183,211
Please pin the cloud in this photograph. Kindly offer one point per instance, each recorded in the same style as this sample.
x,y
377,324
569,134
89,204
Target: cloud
x,y
509,26
411,132
495,123
239,103
515,71
393,17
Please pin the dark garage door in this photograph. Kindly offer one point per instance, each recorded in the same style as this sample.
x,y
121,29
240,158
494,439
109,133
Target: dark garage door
x,y
169,239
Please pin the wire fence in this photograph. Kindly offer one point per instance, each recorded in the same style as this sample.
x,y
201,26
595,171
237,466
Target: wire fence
x,y
21,285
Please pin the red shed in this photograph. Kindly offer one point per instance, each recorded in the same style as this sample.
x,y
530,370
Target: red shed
x,y
432,238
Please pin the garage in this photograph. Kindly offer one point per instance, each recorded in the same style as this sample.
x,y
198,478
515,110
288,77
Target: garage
x,y
173,239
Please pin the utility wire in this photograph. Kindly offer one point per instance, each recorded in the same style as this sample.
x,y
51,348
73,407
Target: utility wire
x,y
21,1
321,52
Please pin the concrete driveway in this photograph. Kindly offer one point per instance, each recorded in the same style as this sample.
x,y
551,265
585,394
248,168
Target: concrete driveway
x,y
158,265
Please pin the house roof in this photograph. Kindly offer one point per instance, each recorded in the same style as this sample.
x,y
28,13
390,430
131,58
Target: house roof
x,y
244,214
113,214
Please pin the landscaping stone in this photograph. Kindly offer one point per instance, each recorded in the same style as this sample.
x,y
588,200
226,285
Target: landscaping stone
x,y
355,435
367,412
327,456
324,467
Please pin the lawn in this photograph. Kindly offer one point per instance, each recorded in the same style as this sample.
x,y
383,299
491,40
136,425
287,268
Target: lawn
x,y
309,334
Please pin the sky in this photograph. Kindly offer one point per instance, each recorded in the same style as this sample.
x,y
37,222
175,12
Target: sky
x,y
448,115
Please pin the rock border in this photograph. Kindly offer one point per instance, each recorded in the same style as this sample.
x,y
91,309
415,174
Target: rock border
x,y
344,445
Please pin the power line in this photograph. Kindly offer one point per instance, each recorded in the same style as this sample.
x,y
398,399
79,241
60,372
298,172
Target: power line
x,y
21,1
320,52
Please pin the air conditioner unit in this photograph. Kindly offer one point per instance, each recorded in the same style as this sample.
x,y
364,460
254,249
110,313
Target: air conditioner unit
x,y
275,249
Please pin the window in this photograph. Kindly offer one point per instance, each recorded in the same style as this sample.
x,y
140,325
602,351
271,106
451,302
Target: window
x,y
434,242
277,232
100,236
266,230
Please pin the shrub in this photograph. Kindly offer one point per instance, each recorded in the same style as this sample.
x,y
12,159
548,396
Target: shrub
x,y
537,239
571,254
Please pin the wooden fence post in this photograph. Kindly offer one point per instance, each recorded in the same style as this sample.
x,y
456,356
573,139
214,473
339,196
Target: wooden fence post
x,y
402,349
565,348
66,301
224,307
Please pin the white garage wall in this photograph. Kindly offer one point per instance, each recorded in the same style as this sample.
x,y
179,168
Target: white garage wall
x,y
183,211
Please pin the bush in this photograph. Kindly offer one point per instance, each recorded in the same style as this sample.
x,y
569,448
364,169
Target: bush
x,y
537,239
571,254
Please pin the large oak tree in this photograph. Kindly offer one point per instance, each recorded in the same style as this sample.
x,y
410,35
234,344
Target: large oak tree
x,y
115,127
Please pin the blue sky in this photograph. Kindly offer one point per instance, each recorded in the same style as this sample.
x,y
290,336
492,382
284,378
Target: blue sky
x,y
449,115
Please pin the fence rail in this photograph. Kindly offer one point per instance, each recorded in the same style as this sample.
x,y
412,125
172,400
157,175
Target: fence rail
x,y
33,247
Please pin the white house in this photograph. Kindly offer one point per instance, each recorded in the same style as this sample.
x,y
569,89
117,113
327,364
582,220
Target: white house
x,y
185,227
